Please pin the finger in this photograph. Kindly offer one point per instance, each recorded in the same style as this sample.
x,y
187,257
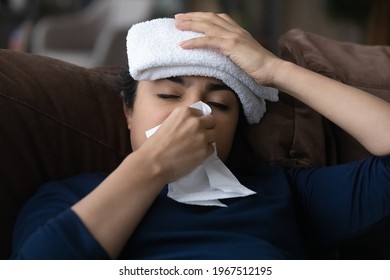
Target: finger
x,y
209,122
207,23
217,19
205,122
219,44
193,111
207,28
199,16
211,136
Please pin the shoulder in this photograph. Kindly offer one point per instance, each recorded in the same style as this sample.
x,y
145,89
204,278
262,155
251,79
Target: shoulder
x,y
79,185
68,190
54,197
48,214
365,166
371,173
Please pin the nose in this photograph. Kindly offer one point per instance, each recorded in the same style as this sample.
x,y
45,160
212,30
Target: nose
x,y
193,96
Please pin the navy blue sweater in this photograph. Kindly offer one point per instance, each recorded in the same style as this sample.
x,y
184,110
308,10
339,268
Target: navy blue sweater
x,y
295,212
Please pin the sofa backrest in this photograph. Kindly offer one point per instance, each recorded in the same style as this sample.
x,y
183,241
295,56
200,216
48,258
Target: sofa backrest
x,y
56,120
361,66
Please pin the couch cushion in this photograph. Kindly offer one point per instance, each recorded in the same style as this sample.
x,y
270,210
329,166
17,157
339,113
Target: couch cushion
x,y
56,120
361,66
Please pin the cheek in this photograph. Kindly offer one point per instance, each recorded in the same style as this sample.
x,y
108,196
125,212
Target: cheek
x,y
225,136
137,138
143,120
224,145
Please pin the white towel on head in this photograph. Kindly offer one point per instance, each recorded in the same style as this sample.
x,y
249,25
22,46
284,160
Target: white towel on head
x,y
154,53
209,182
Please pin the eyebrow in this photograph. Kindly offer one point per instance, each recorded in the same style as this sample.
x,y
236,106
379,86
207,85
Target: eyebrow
x,y
210,87
217,87
178,80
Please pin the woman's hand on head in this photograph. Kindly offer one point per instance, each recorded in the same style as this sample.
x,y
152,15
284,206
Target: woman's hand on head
x,y
225,35
183,141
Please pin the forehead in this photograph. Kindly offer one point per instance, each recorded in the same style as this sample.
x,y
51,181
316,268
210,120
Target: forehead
x,y
207,83
190,80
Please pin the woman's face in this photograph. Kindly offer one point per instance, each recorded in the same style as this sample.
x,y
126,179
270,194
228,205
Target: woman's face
x,y
155,100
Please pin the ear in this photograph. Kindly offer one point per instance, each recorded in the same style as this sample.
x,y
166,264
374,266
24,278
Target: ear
x,y
128,115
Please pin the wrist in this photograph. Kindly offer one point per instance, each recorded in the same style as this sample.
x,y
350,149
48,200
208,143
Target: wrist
x,y
147,166
268,73
280,71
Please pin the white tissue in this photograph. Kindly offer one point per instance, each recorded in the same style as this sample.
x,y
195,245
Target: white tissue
x,y
207,183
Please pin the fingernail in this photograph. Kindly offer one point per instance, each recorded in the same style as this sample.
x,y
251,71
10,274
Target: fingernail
x,y
178,16
182,44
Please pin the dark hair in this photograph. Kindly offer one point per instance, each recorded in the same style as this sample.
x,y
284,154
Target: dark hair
x,y
128,87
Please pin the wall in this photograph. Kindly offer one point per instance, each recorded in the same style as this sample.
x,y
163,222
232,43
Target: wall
x,y
268,19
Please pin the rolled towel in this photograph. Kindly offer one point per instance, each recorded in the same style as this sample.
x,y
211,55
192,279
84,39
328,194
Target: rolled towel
x,y
154,53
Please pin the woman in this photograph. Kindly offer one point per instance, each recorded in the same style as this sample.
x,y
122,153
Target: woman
x,y
127,214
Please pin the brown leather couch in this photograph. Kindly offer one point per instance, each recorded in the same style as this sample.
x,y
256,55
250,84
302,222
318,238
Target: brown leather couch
x,y
58,120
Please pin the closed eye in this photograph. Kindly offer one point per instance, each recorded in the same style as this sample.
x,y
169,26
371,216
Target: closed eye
x,y
167,96
217,105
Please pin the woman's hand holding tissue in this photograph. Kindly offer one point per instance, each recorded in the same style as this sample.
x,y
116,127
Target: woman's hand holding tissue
x,y
183,141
